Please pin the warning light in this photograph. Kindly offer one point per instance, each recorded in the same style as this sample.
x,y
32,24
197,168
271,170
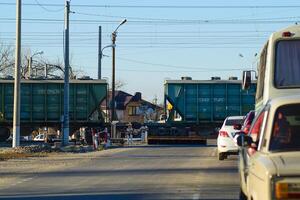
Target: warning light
x,y
287,34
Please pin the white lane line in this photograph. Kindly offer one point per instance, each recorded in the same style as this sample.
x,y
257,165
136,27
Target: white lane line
x,y
214,153
27,179
21,181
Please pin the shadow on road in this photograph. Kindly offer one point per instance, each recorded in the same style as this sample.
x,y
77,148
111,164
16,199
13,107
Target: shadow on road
x,y
129,172
83,197
103,197
170,146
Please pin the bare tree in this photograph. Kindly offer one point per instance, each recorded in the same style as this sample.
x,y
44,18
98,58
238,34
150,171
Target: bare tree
x,y
6,59
40,66
119,84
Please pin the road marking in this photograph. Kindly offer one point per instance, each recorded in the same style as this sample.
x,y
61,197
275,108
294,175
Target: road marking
x,y
214,153
196,197
21,181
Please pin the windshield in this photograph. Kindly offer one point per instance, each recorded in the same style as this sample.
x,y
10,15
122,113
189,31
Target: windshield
x,y
286,129
287,64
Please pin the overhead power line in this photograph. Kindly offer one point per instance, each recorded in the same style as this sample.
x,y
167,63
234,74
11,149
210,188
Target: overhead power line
x,y
157,6
173,71
148,32
176,66
151,22
49,45
47,9
180,20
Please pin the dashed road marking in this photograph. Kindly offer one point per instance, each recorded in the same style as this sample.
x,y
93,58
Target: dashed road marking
x,y
21,181
213,153
196,196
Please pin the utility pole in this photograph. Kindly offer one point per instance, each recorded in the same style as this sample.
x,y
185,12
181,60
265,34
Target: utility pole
x,y
99,52
29,67
17,84
113,39
113,106
65,138
46,71
30,59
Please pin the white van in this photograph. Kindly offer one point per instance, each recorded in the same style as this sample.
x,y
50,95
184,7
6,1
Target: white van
x,y
278,68
269,164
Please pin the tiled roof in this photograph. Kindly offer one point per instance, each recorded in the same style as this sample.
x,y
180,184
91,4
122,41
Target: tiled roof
x,y
122,99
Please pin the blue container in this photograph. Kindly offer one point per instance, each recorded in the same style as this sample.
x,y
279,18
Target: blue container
x,y
42,100
208,101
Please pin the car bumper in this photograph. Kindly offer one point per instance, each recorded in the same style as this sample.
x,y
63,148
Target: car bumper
x,y
233,150
227,145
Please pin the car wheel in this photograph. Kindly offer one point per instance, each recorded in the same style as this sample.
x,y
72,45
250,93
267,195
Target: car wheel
x,y
242,195
221,156
225,156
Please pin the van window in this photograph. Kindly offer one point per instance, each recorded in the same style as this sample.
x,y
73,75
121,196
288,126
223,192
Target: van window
x,y
256,127
287,64
261,72
286,129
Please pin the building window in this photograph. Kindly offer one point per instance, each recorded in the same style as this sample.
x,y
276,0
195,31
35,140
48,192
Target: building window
x,y
132,110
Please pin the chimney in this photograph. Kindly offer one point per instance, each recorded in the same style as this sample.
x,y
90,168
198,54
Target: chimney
x,y
138,96
186,78
215,78
233,78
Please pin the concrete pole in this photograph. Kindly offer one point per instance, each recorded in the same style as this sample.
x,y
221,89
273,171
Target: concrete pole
x,y
99,53
65,140
29,67
113,38
113,103
17,84
46,71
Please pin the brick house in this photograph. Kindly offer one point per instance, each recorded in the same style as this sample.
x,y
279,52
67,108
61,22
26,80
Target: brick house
x,y
132,108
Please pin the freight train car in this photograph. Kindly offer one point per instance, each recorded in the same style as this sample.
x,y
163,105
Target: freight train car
x,y
194,109
42,104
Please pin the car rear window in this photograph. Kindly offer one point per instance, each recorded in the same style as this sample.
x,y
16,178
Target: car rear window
x,y
231,122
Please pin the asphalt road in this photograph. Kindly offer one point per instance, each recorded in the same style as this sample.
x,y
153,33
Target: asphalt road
x,y
139,172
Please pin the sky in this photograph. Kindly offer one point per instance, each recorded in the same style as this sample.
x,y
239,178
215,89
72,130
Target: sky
x,y
161,40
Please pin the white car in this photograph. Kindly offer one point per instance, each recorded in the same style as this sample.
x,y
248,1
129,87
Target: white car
x,y
39,138
225,141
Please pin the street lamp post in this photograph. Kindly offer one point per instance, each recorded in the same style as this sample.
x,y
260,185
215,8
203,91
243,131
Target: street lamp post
x,y
30,63
101,52
113,38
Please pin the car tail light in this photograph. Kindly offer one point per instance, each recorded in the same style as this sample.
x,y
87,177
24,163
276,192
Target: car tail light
x,y
287,190
246,129
223,134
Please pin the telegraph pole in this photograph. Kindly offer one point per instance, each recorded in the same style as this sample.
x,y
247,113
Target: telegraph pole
x,y
113,106
29,67
17,85
99,52
113,39
65,138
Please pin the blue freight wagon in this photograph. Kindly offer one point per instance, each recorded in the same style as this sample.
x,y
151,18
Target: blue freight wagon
x,y
195,108
42,104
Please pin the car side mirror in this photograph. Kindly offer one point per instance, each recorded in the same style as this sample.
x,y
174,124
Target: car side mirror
x,y
237,126
244,140
246,80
